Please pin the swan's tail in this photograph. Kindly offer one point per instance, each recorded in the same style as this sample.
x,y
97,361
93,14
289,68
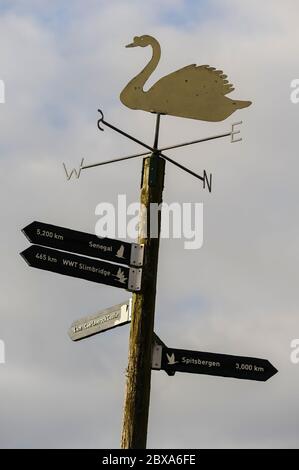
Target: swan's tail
x,y
242,104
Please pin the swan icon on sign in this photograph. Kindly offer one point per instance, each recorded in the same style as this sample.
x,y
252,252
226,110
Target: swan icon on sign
x,y
171,359
120,276
194,91
120,252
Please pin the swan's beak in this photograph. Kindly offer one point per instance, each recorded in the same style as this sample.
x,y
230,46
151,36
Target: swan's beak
x,y
131,45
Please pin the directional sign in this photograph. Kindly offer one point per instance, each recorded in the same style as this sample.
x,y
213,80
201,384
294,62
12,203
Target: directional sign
x,y
105,320
224,365
83,243
82,267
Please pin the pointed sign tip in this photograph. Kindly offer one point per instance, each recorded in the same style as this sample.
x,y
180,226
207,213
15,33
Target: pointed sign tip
x,y
27,230
274,370
271,371
23,254
23,230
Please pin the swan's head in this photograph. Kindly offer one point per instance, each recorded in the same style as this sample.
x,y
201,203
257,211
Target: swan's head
x,y
141,41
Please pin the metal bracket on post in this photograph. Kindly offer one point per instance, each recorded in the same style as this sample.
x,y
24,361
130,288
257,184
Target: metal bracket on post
x,y
153,170
142,173
129,307
134,283
125,312
137,253
156,357
158,342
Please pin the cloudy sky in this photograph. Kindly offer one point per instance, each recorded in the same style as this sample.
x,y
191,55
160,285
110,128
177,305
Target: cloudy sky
x,y
238,294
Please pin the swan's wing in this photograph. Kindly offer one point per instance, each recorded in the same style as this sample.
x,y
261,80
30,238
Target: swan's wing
x,y
201,78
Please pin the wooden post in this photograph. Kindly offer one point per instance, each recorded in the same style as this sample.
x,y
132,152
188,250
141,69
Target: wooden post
x,y
137,396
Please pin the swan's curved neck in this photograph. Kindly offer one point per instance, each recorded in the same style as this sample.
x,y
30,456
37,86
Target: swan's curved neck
x,y
144,75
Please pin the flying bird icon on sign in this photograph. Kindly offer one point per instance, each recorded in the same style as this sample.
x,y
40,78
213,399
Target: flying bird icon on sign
x,y
171,359
120,276
120,252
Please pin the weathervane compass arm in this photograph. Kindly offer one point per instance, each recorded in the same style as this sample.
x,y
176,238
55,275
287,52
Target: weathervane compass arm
x,y
184,144
203,178
206,181
102,121
163,149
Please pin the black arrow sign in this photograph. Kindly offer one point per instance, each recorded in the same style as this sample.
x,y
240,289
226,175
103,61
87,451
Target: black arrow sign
x,y
82,267
224,365
84,243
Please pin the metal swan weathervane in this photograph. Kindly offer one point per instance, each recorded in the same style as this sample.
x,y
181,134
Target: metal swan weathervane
x,y
195,92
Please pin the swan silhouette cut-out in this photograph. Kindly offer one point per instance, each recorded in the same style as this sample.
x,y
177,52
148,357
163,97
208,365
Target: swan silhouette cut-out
x,y
195,92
